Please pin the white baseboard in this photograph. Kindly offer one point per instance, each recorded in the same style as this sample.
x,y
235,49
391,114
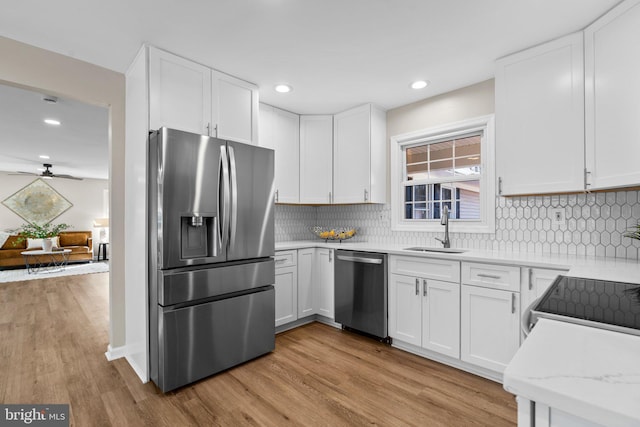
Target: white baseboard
x,y
456,363
142,373
114,353
125,351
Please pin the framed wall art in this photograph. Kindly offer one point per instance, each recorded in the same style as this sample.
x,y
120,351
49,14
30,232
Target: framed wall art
x,y
37,203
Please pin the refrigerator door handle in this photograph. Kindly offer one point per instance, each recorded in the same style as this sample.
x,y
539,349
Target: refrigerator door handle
x,y
225,194
234,198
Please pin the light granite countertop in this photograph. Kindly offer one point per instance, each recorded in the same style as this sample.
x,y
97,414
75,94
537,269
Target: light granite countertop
x,y
592,267
587,372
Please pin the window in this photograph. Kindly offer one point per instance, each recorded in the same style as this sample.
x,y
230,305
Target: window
x,y
449,166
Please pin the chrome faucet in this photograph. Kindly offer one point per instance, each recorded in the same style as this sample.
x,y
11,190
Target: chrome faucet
x,y
444,220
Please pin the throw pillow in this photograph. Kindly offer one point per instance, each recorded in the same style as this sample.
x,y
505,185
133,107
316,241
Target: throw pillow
x,y
37,243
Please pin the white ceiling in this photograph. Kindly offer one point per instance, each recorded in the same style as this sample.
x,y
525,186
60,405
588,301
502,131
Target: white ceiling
x,y
335,53
78,147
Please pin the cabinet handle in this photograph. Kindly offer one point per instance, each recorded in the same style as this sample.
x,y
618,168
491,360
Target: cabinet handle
x,y
281,260
417,286
489,276
499,185
330,197
330,256
586,178
366,195
424,287
513,302
530,278
277,196
209,129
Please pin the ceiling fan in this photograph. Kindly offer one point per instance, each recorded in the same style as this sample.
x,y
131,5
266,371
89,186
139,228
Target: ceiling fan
x,y
47,174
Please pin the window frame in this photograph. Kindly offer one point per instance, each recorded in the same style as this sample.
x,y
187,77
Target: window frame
x,y
398,143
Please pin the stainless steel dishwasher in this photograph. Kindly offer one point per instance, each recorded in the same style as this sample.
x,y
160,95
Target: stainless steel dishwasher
x,y
361,292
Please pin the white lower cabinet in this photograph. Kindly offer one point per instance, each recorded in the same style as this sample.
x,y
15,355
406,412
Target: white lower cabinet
x,y
490,326
536,283
441,317
286,287
425,313
405,309
305,282
323,283
315,282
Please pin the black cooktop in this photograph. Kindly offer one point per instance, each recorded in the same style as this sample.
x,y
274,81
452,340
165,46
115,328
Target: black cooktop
x,y
609,304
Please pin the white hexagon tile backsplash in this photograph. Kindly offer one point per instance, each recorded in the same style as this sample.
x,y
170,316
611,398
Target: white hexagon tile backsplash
x,y
594,225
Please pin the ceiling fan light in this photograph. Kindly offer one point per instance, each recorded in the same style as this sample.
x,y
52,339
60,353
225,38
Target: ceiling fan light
x,y
43,156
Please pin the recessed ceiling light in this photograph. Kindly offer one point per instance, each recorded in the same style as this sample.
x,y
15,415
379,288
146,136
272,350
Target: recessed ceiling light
x,y
419,84
283,88
52,122
44,156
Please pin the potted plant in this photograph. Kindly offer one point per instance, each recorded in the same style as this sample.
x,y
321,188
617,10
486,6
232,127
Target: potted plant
x,y
45,232
634,232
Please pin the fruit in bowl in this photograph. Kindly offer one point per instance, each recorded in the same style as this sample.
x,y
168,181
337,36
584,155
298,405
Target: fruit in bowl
x,y
338,233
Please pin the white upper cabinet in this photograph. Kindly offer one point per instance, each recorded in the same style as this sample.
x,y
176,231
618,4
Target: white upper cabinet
x,y
235,108
191,97
540,118
359,156
280,130
179,93
612,64
316,159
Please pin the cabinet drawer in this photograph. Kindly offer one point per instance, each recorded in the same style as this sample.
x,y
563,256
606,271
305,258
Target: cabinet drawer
x,y
428,268
491,276
286,258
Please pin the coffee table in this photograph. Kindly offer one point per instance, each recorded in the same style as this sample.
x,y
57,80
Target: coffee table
x,y
45,261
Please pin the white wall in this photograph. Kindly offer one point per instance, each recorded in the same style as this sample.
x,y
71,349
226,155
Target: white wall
x,y
86,196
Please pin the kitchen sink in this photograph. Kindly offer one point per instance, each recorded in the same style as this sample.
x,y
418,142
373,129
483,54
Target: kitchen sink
x,y
442,250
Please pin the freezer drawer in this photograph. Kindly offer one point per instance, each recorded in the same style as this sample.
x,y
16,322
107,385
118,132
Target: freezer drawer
x,y
201,340
185,285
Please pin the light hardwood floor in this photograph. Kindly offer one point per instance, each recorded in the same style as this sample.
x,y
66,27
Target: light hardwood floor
x,y
54,332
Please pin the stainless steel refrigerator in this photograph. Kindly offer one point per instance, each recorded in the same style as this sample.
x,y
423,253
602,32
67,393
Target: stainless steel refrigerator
x,y
211,242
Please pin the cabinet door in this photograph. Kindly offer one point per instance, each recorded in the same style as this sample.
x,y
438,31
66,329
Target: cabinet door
x,y
536,283
441,317
266,123
612,61
234,109
306,295
540,118
179,93
286,143
405,309
316,154
286,295
351,155
323,285
490,329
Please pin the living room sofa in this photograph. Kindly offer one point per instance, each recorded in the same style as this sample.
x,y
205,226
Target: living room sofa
x,y
80,243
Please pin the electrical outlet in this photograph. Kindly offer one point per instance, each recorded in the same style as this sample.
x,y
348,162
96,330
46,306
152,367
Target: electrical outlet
x,y
558,217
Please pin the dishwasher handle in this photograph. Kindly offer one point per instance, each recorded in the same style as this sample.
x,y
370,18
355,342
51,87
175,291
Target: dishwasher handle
x,y
363,260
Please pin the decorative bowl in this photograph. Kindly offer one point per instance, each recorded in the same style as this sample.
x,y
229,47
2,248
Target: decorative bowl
x,y
334,233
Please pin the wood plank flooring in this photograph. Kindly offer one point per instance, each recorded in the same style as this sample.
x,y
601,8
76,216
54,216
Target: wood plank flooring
x,y
54,332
